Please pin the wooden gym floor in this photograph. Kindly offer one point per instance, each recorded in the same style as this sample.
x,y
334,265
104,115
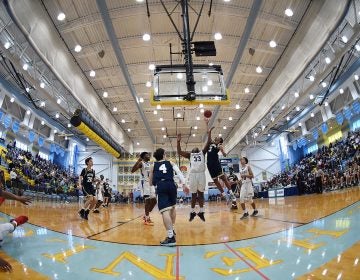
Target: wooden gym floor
x,y
299,227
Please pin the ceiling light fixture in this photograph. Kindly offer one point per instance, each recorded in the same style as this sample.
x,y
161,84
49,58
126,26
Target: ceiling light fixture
x,y
296,94
146,37
209,83
158,106
230,118
237,106
28,112
217,36
105,94
163,128
7,45
259,69
161,119
141,100
324,84
77,48
356,77
289,12
42,85
327,60
61,16
26,66
312,115
129,129
57,115
341,91
179,76
122,121
297,108
272,44
155,112
42,104
148,84
194,135
344,39
311,96
311,78
115,109
58,101
69,125
151,67
12,99
224,127
42,122
247,90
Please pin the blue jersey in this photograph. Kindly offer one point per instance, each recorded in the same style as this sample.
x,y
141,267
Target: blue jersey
x,y
163,171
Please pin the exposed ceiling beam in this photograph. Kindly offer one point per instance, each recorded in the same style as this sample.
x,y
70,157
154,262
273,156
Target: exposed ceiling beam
x,y
121,60
156,10
250,23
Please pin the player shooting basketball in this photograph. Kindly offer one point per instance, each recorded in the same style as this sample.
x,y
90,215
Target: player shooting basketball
x,y
148,189
197,179
214,166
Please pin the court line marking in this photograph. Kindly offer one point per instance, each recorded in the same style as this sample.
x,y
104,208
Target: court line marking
x,y
245,261
177,262
119,225
284,221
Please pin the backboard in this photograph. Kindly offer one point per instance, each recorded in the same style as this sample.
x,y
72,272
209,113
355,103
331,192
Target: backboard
x,y
170,86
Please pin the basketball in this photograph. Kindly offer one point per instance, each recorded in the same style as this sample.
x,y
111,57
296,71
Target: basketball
x,y
207,114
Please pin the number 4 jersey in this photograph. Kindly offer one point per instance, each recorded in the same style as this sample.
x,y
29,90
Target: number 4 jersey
x,y
197,162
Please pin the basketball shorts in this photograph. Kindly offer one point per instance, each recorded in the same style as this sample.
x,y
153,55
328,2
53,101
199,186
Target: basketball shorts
x,y
197,182
246,192
167,194
99,196
148,190
89,190
215,169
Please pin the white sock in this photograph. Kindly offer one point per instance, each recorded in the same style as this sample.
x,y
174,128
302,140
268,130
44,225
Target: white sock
x,y
231,192
192,210
201,209
245,211
170,233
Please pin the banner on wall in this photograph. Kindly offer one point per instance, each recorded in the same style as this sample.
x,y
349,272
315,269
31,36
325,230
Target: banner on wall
x,y
7,121
295,146
339,118
31,136
316,134
40,141
15,127
324,128
355,106
347,113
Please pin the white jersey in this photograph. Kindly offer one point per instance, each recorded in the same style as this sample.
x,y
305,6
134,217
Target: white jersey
x,y
145,171
197,162
244,170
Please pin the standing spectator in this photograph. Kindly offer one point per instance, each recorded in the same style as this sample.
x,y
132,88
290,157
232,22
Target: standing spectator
x,y
319,177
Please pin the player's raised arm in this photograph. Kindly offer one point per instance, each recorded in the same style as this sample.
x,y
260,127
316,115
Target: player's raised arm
x,y
179,151
209,140
137,165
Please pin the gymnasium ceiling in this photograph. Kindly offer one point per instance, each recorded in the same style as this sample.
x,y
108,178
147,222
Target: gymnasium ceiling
x,y
84,25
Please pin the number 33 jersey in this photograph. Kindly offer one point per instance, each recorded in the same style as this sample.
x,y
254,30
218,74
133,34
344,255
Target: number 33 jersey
x,y
197,162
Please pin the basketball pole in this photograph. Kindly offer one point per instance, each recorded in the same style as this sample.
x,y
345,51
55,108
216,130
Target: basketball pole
x,y
190,83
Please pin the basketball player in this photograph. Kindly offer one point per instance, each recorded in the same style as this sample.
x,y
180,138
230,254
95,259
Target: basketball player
x,y
107,193
162,176
86,180
234,182
99,194
197,179
143,163
247,190
214,167
10,227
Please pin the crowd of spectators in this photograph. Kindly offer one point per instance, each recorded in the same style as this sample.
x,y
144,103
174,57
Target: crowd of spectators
x,y
43,174
330,168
